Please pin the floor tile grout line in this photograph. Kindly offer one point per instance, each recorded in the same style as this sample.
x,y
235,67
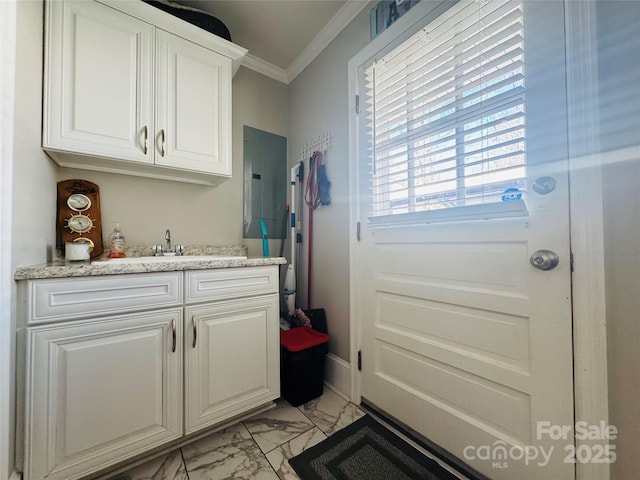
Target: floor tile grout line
x,y
269,463
313,426
291,439
264,454
281,444
332,428
327,434
184,462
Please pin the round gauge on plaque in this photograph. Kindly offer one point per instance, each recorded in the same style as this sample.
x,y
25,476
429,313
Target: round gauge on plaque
x,y
80,223
79,202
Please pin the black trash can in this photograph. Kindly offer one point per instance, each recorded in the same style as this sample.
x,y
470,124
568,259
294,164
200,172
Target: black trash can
x,y
302,352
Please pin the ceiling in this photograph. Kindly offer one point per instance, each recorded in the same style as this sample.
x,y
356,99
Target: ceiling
x,y
282,36
275,31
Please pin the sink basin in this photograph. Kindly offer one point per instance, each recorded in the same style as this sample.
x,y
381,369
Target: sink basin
x,y
169,259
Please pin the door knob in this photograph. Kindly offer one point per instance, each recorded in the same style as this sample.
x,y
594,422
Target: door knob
x,y
544,259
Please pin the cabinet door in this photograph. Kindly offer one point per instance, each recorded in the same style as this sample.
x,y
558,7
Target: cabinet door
x,y
98,82
100,391
193,123
232,359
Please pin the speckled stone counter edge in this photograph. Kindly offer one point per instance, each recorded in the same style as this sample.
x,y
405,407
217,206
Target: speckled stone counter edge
x,y
62,269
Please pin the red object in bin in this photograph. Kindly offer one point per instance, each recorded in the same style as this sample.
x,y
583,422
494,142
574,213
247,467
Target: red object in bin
x,y
300,338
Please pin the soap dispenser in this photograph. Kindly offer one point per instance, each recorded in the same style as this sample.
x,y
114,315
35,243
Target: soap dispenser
x,y
117,243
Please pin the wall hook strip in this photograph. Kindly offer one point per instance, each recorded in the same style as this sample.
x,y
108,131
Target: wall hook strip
x,y
321,143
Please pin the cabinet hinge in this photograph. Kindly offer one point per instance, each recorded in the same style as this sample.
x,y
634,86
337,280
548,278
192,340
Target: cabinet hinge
x,y
571,261
358,231
357,103
359,360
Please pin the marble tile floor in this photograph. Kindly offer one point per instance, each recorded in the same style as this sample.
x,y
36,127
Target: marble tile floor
x,y
258,448
255,449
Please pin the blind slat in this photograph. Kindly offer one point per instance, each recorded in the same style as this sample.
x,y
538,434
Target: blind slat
x,y
399,187
426,154
441,35
447,90
456,106
509,100
434,67
422,83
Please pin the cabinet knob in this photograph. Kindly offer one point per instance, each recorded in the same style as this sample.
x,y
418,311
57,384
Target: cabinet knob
x,y
162,143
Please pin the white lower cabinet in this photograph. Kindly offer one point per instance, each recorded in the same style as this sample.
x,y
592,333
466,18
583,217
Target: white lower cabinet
x,y
101,390
231,359
143,368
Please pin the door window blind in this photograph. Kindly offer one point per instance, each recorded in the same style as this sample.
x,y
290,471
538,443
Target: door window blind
x,y
445,114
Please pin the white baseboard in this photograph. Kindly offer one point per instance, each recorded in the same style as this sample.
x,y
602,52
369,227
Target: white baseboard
x,y
338,375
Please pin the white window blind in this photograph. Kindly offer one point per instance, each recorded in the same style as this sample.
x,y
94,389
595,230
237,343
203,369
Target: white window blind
x,y
445,115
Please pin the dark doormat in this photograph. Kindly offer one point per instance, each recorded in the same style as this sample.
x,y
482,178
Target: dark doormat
x,y
366,450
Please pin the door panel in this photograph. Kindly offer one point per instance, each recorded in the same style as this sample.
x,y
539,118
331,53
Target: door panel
x,y
462,339
194,90
232,359
102,391
98,81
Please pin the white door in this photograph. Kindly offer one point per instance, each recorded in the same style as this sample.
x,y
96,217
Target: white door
x,y
98,83
193,106
101,391
462,338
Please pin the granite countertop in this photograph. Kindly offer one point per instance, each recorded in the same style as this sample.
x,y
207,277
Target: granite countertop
x,y
138,260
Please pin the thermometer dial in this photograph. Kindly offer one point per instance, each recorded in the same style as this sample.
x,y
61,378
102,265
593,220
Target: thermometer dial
x,y
80,223
79,202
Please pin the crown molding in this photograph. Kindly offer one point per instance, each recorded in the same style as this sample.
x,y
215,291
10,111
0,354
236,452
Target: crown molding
x,y
265,68
338,22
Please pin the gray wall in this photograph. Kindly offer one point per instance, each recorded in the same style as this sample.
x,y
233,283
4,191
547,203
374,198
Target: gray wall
x,y
318,103
619,81
34,175
34,184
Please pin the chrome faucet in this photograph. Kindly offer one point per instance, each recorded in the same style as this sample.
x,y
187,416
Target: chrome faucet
x,y
160,250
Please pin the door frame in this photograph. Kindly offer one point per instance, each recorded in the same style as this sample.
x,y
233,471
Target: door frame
x,y
585,207
7,286
591,400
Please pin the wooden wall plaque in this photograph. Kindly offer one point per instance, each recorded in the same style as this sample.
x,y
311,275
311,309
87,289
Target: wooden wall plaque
x,y
79,216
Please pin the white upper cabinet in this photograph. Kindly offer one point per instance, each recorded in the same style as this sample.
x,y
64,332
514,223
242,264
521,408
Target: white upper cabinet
x,y
99,72
123,95
194,106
